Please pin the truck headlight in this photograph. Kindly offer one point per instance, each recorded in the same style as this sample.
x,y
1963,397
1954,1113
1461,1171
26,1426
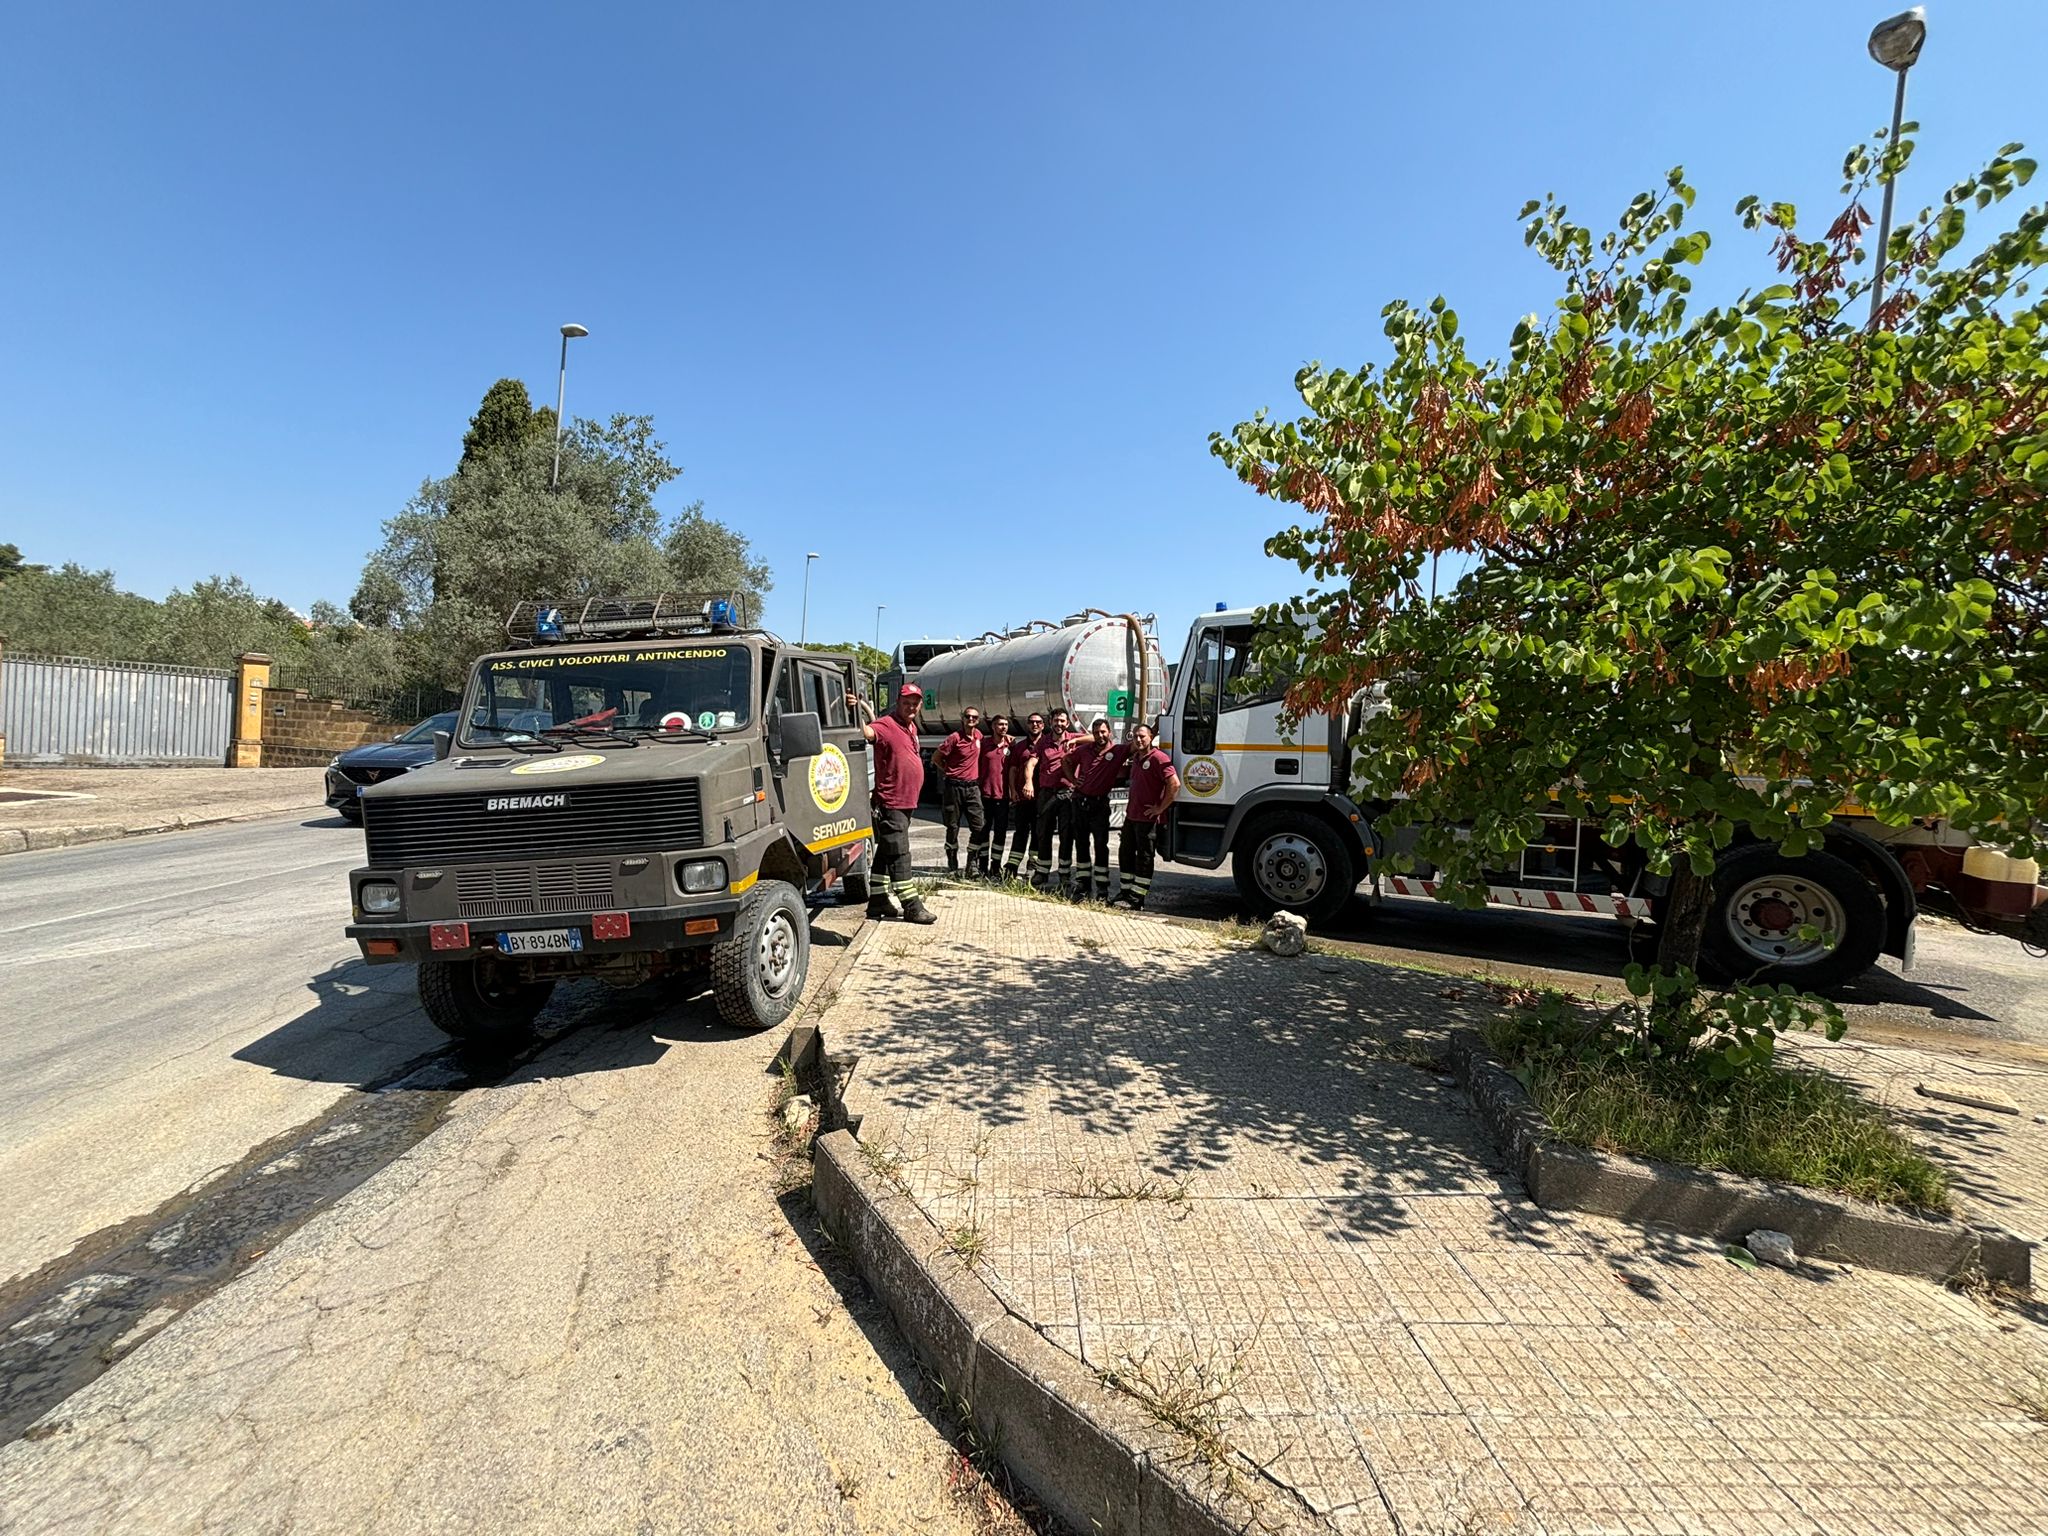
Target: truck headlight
x,y
378,896
698,877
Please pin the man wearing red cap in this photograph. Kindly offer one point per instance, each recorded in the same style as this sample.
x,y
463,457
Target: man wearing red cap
x,y
899,778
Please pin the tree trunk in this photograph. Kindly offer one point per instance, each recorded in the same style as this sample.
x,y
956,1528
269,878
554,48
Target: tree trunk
x,y
1683,923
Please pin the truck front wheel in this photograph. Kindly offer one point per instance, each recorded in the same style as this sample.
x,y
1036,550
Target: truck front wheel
x,y
1763,899
758,970
481,1001
1295,861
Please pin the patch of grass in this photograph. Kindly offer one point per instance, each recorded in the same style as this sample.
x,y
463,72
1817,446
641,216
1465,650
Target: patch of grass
x,y
968,1242
1085,941
790,1148
885,1161
1090,1183
1795,1126
1192,1394
978,1483
849,1483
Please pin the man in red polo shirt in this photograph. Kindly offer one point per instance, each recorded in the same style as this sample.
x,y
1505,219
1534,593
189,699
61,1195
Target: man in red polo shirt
x,y
899,778
959,763
1154,786
995,798
1095,766
1051,795
1020,808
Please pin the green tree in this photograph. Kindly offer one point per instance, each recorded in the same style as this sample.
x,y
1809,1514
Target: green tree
x,y
872,661
220,618
72,611
1728,566
704,555
505,420
11,562
467,547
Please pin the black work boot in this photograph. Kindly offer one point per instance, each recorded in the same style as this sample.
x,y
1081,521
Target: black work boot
x,y
879,909
952,861
915,911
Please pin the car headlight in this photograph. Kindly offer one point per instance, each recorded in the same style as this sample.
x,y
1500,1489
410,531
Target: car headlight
x,y
378,896
699,876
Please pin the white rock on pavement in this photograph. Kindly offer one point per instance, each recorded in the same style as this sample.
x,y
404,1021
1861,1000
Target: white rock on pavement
x,y
1772,1248
1285,934
796,1114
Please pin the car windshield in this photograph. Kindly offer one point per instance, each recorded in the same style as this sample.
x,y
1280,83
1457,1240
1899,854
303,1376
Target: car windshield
x,y
633,689
424,731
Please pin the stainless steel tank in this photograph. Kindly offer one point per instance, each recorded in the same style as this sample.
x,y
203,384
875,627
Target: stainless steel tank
x,y
1075,667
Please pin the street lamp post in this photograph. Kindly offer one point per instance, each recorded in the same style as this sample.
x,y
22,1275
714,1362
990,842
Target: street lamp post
x,y
561,393
878,624
1895,43
804,633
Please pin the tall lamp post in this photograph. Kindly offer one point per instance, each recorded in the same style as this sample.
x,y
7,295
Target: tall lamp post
x,y
878,624
1894,43
804,633
561,392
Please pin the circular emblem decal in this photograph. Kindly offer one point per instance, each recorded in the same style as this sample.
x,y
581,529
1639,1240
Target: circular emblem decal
x,y
1202,775
674,720
561,764
830,778
707,720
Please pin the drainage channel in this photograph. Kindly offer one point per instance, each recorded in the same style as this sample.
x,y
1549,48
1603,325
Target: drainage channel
x,y
68,1322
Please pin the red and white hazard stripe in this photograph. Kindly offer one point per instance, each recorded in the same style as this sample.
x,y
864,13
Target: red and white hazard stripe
x,y
1538,900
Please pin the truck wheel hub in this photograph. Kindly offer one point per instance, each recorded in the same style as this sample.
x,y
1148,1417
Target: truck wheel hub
x,y
777,952
1765,916
1290,869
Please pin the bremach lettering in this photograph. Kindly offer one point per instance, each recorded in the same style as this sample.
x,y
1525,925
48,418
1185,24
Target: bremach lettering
x,y
526,802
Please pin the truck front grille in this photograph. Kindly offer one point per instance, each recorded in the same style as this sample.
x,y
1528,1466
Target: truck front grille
x,y
533,890
601,818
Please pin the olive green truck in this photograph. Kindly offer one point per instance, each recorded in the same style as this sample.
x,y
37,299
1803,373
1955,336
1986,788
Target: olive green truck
x,y
634,790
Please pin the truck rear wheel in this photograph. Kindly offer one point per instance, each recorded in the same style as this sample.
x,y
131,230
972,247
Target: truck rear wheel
x,y
1295,861
1761,901
481,1001
758,970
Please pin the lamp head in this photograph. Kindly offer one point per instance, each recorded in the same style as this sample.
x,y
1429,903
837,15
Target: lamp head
x,y
1895,42
573,331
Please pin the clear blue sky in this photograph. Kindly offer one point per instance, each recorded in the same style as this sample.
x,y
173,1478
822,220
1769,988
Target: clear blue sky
x,y
950,293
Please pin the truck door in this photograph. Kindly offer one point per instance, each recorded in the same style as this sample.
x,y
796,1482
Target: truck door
x,y
824,795
1228,741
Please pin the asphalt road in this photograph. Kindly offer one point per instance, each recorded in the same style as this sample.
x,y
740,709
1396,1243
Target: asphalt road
x,y
1962,983
561,1294
172,1003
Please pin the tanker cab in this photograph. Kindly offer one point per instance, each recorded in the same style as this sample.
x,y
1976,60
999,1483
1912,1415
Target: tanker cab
x,y
1223,728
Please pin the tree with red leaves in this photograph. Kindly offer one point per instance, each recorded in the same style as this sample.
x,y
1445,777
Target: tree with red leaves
x,y
1727,568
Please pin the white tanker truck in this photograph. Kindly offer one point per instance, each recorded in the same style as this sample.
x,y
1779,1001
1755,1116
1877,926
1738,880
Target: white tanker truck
x,y
1092,664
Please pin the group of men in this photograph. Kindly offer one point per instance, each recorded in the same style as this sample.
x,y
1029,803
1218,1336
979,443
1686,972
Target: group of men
x,y
1047,792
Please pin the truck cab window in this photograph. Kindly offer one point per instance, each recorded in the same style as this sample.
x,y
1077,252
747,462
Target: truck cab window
x,y
1221,660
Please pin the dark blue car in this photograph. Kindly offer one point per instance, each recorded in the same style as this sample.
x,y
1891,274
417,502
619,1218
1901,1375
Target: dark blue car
x,y
349,773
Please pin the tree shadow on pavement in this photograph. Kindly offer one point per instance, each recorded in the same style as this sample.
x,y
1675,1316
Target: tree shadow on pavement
x,y
1309,1077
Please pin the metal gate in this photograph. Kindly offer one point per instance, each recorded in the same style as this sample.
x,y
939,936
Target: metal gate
x,y
61,709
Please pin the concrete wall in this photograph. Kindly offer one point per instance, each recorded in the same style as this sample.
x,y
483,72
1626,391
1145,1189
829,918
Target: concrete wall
x,y
300,731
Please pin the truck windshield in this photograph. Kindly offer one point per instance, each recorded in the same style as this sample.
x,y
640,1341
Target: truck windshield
x,y
636,688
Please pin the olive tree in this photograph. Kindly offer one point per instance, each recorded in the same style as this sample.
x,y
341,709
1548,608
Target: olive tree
x,y
1719,568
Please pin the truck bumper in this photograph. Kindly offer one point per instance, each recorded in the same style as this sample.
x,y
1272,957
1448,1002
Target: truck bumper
x,y
652,930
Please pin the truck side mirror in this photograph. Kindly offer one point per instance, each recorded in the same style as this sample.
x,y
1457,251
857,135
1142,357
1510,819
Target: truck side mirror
x,y
803,735
444,743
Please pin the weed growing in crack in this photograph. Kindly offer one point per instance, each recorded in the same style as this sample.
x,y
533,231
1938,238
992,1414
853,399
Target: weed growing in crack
x,y
1192,1394
2031,1400
968,1242
849,1483
885,1162
1085,1182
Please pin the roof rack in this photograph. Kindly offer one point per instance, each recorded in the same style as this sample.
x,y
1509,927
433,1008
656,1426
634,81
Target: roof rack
x,y
610,618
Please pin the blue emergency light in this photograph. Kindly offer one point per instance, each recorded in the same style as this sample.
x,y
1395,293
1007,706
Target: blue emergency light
x,y
547,624
721,614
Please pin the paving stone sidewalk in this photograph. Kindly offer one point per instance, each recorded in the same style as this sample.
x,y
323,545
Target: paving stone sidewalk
x,y
1217,1175
89,805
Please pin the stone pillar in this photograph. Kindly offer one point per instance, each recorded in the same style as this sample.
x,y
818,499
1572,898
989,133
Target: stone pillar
x,y
252,677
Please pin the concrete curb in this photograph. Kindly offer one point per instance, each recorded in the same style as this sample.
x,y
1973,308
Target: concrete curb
x,y
1090,1453
39,839
1822,1226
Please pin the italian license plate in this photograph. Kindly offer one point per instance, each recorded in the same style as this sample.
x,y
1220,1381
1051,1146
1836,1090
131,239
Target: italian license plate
x,y
542,941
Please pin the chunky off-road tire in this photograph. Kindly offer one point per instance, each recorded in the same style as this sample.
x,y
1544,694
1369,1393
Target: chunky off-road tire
x,y
758,970
1293,861
1762,899
478,1000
